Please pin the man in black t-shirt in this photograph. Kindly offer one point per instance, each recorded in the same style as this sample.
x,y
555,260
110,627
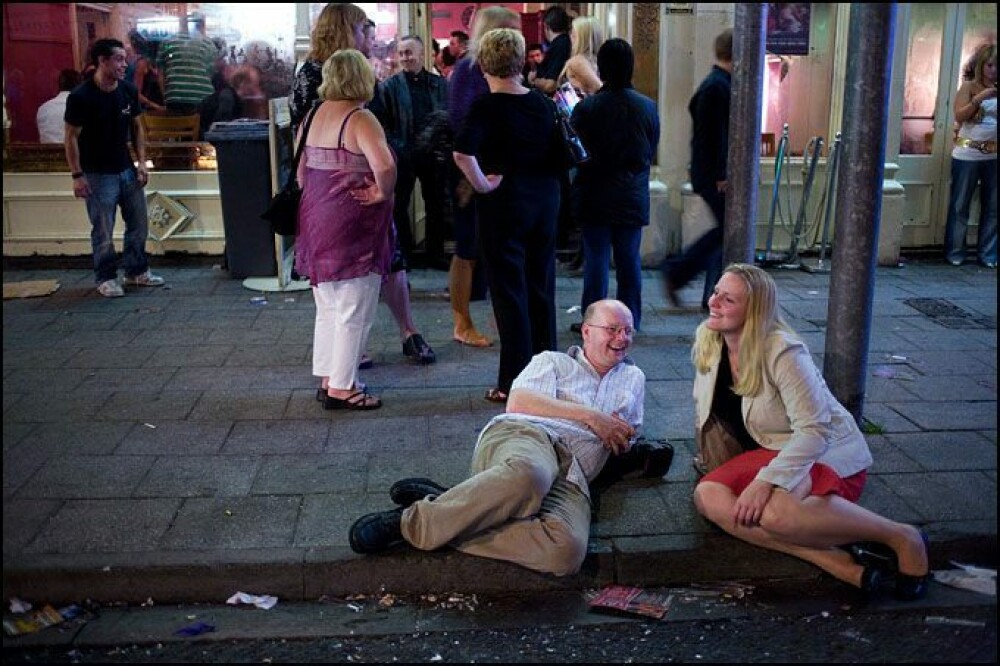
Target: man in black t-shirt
x,y
557,25
102,116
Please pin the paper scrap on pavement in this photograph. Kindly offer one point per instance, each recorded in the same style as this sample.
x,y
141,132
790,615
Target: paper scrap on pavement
x,y
968,577
29,289
263,601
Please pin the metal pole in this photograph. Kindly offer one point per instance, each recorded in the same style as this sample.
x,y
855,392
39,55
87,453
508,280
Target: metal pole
x,y
832,160
859,202
816,143
779,163
744,132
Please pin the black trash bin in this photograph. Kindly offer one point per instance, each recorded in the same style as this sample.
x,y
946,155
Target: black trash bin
x,y
243,157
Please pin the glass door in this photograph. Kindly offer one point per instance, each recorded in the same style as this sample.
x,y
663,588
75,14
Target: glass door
x,y
924,143
939,39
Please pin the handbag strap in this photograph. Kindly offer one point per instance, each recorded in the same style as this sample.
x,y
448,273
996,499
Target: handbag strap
x,y
302,144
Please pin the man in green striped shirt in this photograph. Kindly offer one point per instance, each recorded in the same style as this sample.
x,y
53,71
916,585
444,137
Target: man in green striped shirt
x,y
187,63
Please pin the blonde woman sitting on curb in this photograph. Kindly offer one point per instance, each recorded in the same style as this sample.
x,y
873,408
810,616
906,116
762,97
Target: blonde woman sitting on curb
x,y
804,460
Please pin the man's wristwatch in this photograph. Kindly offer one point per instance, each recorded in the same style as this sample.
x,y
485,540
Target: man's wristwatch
x,y
76,174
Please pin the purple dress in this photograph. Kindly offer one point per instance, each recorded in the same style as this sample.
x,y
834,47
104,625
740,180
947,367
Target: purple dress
x,y
338,238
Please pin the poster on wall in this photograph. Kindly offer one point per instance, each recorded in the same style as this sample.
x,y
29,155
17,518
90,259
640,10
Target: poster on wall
x,y
788,28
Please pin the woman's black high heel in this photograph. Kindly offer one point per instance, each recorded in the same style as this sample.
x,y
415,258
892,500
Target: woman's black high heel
x,y
911,588
871,583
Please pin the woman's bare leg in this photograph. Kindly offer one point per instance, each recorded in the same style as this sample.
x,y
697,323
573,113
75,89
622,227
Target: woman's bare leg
x,y
812,528
460,292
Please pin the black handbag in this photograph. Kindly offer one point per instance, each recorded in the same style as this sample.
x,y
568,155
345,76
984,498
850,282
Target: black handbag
x,y
283,211
576,153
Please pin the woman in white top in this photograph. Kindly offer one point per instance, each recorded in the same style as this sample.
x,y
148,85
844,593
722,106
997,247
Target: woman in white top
x,y
580,71
974,161
804,461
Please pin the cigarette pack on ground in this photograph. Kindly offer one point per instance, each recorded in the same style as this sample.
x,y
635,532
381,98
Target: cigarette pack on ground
x,y
621,599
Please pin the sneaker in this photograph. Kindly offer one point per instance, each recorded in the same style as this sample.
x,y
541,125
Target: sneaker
x,y
146,279
110,289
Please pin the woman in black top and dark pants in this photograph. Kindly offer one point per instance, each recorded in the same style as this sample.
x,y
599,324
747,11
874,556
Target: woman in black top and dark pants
x,y
510,134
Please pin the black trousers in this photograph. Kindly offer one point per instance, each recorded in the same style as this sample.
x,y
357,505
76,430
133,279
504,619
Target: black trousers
x,y
517,234
432,187
705,254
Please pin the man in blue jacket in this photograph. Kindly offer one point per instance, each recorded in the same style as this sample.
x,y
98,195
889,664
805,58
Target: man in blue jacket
x,y
709,109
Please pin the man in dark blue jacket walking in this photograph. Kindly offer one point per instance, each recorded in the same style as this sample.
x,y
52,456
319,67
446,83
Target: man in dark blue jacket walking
x,y
709,110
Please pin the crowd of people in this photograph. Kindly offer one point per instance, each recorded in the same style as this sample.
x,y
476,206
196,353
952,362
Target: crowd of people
x,y
783,463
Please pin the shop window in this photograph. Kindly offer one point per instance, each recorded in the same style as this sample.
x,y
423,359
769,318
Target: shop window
x,y
798,72
923,63
42,39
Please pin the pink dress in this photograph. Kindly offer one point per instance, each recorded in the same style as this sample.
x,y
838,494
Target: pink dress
x,y
338,238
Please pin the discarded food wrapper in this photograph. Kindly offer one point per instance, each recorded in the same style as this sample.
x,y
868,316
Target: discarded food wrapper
x,y
195,629
29,623
19,606
621,599
264,601
968,577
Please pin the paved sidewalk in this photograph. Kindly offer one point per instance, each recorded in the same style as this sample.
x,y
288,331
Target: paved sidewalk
x,y
168,444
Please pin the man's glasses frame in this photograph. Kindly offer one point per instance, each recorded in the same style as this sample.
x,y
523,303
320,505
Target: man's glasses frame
x,y
615,330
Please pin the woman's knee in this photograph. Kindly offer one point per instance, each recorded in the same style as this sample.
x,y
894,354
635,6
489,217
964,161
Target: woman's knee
x,y
712,500
780,515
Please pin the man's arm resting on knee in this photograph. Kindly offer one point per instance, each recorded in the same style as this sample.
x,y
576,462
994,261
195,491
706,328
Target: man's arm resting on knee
x,y
613,431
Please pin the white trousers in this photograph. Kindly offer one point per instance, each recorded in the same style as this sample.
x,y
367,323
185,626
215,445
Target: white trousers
x,y
345,311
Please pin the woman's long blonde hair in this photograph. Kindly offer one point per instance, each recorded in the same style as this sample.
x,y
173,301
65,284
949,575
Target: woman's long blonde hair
x,y
588,37
334,30
762,319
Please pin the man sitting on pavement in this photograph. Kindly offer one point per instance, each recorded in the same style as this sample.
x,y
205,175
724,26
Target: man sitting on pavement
x,y
527,500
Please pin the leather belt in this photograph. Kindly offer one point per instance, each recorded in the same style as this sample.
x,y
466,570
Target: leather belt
x,y
981,146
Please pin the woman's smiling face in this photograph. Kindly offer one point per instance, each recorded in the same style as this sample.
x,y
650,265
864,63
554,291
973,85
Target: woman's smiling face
x,y
727,306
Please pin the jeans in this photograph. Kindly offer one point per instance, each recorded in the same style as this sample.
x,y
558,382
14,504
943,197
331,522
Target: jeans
x,y
108,191
965,175
598,244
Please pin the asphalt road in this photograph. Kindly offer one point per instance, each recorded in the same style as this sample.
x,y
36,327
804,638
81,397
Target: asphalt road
x,y
788,621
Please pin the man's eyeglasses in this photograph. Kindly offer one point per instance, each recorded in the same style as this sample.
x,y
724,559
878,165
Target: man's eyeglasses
x,y
615,330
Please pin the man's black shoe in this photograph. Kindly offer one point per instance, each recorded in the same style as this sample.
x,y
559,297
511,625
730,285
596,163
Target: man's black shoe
x,y
646,459
652,458
407,491
377,532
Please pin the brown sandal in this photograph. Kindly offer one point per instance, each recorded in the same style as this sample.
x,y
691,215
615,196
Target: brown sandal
x,y
496,395
359,400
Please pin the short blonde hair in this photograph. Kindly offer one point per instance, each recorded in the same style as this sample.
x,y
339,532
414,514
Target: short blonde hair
x,y
589,37
501,53
334,29
347,75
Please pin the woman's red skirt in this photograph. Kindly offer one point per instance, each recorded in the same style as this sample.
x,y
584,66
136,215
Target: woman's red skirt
x,y
741,470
